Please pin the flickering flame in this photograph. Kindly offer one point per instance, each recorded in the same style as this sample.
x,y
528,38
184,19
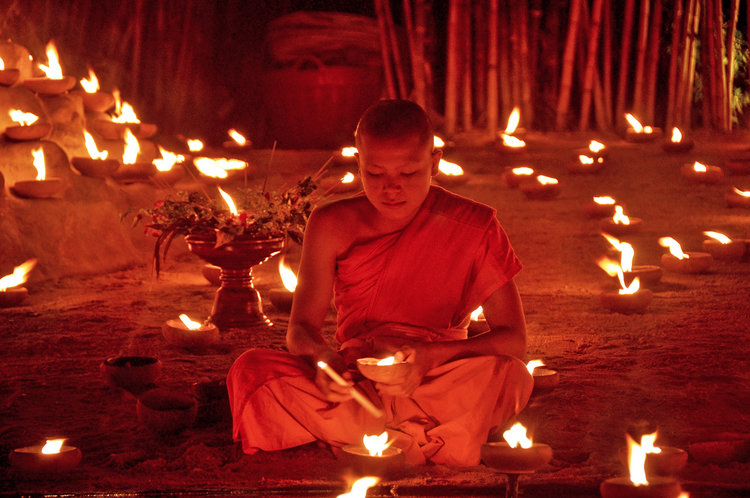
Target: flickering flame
x,y
347,178
743,193
288,278
91,147
674,247
516,436
190,324
533,365
513,120
126,115
194,145
53,70
546,180
699,168
676,135
348,151
719,236
449,168
360,487
237,136
584,159
19,276
390,360
595,146
626,250
511,141
130,154
23,118
634,123
90,85
619,217
437,142
217,168
2,64
477,313
229,201
52,446
41,170
637,457
613,269
604,200
167,160
376,445
522,171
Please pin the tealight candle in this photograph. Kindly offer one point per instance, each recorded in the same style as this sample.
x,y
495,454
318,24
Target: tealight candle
x,y
93,99
648,275
541,188
53,457
738,198
131,170
281,298
620,224
629,298
544,378
42,187
189,334
514,176
451,174
477,322
96,165
719,246
375,456
11,294
680,262
638,132
238,140
585,163
346,157
600,207
677,143
701,173
28,128
517,454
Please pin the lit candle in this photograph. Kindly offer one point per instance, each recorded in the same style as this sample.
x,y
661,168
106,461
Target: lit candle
x,y
680,262
375,456
585,163
517,453
648,275
360,487
53,82
93,99
96,165
42,187
509,141
281,298
238,140
544,378
28,126
52,458
620,224
540,187
514,176
701,173
738,198
719,246
629,298
451,174
677,142
600,206
638,132
477,322
11,292
189,334
133,170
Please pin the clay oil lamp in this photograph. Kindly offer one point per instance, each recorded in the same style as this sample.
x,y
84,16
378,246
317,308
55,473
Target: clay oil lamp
x,y
595,149
166,412
511,143
28,127
238,140
600,206
738,198
585,164
660,460
639,133
356,393
701,173
346,157
516,455
346,184
167,169
540,188
451,174
620,224
637,485
514,176
677,143
8,76
93,99
52,458
189,334
123,118
629,298
133,171
132,373
544,378
218,168
11,292
281,298
96,165
477,322
42,187
375,456
360,487
648,275
719,246
54,83
680,262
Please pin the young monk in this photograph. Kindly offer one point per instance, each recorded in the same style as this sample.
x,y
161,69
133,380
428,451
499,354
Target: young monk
x,y
408,263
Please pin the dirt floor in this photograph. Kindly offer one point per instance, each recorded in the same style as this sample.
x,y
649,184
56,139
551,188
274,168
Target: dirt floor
x,y
682,365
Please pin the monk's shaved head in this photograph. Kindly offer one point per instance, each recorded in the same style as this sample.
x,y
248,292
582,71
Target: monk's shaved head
x,y
394,120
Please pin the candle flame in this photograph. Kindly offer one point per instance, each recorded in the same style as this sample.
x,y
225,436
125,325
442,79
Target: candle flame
x,y
360,487
132,148
92,148
2,64
347,178
167,160
288,278
634,123
52,446
19,276
718,236
390,360
516,436
612,269
376,445
190,324
194,145
126,115
619,217
23,118
595,146
477,314
637,457
229,201
348,151
217,168
53,70
533,365
546,180
437,142
90,85
237,136
522,171
449,168
676,135
511,141
584,159
626,250
604,200
513,120
699,167
674,247
41,170
743,193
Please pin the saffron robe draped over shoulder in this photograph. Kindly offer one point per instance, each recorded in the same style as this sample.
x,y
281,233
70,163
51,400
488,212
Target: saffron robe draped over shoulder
x,y
417,284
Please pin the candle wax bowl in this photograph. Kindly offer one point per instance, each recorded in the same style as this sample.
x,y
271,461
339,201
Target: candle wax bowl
x,y
132,373
166,412
35,131
648,276
658,487
281,298
386,374
619,229
669,462
134,173
499,455
513,180
545,378
47,86
177,334
632,136
13,296
9,76
37,189
31,460
577,166
95,168
731,251
534,190
713,174
595,210
626,303
677,147
698,262
357,458
735,200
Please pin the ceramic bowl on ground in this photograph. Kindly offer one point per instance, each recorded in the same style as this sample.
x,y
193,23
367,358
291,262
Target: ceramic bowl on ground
x,y
13,296
166,412
95,168
48,86
386,374
31,460
133,373
35,131
37,189
669,462
499,455
358,459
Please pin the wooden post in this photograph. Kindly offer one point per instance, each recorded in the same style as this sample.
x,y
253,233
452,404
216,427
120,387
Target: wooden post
x,y
624,73
591,53
733,15
640,65
607,62
721,75
566,80
677,34
451,69
492,104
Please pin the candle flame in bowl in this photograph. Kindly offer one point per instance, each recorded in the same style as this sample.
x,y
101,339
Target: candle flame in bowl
x,y
619,217
516,436
167,160
522,171
637,457
626,250
90,85
584,159
237,136
699,167
604,200
52,446
477,314
376,445
511,141
676,135
596,147
612,269
533,365
124,112
449,168
674,247
230,202
2,64
217,168
718,236
742,193
437,142
513,120
348,177
23,118
390,360
19,276
360,487
288,278
132,148
194,145
190,324
91,147
41,170
546,180
348,151
52,70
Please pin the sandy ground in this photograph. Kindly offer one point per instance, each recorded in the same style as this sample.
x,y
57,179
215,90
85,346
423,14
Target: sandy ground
x,y
682,365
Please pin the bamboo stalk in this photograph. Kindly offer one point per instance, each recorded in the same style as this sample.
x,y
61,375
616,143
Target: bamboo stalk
x,y
390,84
607,62
693,56
708,66
734,14
479,18
492,90
466,56
721,75
672,87
452,65
515,60
591,52
622,79
411,38
422,68
640,65
566,80
654,44
524,73
395,49
506,93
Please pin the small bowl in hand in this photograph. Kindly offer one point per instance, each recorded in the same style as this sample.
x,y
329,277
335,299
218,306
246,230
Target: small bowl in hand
x,y
385,374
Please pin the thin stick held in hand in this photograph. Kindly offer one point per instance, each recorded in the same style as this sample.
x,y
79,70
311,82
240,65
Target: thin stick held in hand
x,y
358,396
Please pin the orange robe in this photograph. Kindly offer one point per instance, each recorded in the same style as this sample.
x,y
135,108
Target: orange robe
x,y
418,284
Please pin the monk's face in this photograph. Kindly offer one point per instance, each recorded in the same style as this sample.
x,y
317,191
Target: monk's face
x,y
396,174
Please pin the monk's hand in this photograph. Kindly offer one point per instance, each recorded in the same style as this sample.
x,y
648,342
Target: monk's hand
x,y
330,389
417,359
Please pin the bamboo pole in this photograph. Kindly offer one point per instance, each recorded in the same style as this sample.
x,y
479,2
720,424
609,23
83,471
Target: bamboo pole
x,y
506,92
420,36
733,15
395,49
622,78
492,90
480,37
721,75
581,53
672,87
466,56
515,60
607,62
390,84
687,106
591,53
640,65
524,73
566,80
708,66
414,57
451,69
654,44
